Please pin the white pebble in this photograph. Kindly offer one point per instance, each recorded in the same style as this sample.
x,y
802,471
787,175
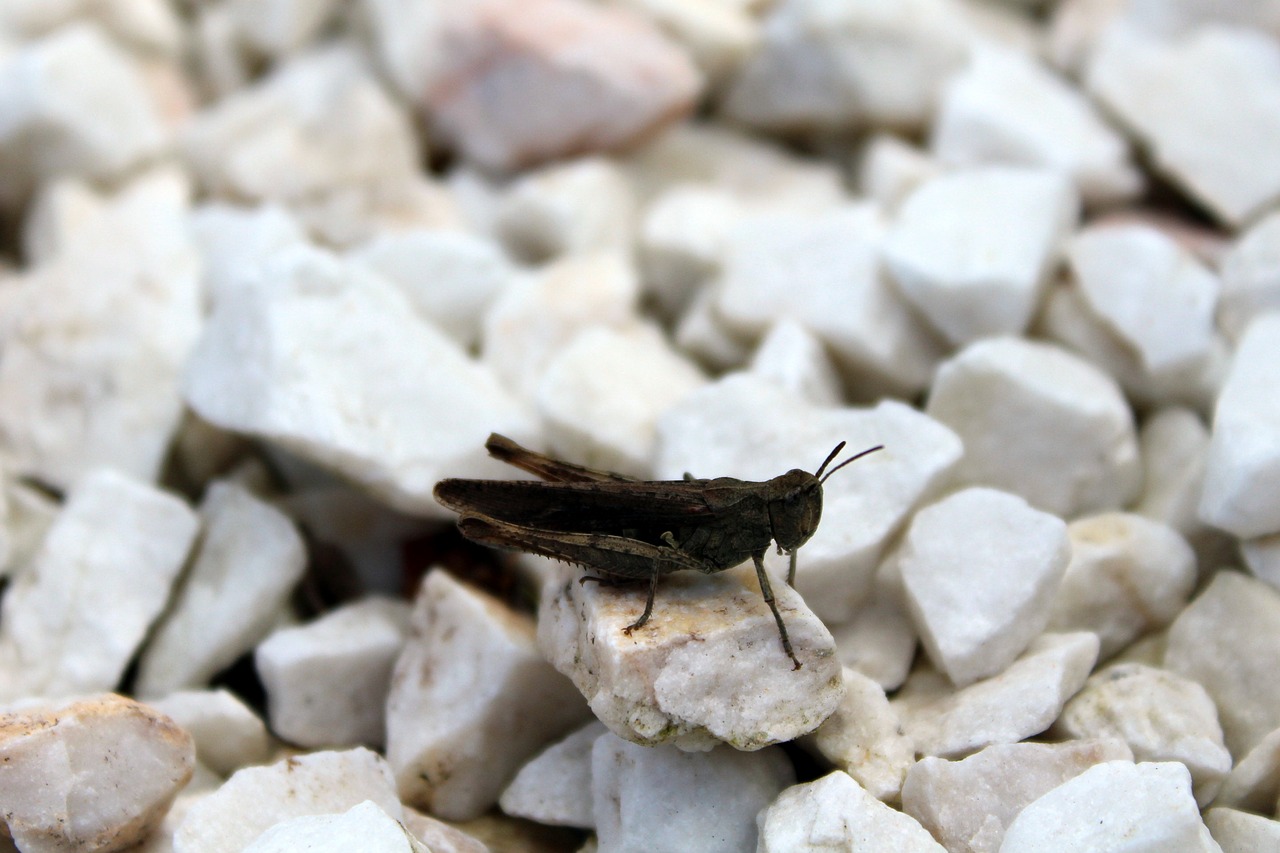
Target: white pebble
x,y
1241,832
600,396
235,241
441,837
1168,93
836,65
681,241
879,641
450,277
731,428
227,733
578,207
76,104
555,786
972,249
864,739
1162,716
574,77
537,315
1019,702
1005,107
718,35
889,170
981,568
1228,639
1251,276
1242,473
1262,558
824,270
1254,782
1039,422
968,804
703,334
331,363
795,359
257,798
1173,442
471,700
327,681
95,774
708,667
835,814
1127,576
95,339
27,513
1148,291
278,28
74,619
363,827
707,800
249,559
1116,805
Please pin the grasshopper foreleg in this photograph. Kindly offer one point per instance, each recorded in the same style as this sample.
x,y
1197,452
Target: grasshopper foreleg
x,y
767,592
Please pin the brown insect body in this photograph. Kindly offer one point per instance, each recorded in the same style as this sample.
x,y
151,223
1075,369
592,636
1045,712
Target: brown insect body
x,y
639,530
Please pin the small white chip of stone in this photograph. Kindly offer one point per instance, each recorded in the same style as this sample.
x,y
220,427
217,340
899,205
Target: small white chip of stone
x,y
248,561
1127,576
972,249
227,733
332,363
1019,702
794,358
471,700
1228,639
1162,716
823,269
75,617
327,680
708,667
708,800
835,814
1005,107
1148,291
93,774
1241,832
1039,422
968,804
1169,93
257,798
1251,276
1254,782
602,394
555,786
864,739
363,827
981,568
1242,473
1149,806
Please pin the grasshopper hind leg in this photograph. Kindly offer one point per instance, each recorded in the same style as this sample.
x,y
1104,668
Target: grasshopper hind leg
x,y
648,605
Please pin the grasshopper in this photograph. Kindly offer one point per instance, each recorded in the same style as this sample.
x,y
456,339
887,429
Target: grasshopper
x,y
636,530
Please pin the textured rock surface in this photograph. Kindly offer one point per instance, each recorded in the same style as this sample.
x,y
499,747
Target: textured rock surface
x,y
93,774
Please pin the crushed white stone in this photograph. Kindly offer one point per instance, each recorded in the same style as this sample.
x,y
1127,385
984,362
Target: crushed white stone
x,y
555,786
578,207
362,827
228,734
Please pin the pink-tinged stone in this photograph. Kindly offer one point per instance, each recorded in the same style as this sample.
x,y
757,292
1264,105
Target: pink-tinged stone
x,y
516,82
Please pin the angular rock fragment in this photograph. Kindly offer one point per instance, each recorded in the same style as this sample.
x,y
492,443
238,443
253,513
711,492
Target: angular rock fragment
x,y
93,774
1039,422
1144,806
331,363
1127,576
257,798
362,827
1251,276
968,804
708,800
471,700
707,668
1019,702
555,786
228,735
834,813
980,568
583,206
972,249
1228,639
327,681
1162,716
76,616
247,564
1241,832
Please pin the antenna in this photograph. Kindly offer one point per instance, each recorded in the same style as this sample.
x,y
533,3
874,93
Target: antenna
x,y
853,458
